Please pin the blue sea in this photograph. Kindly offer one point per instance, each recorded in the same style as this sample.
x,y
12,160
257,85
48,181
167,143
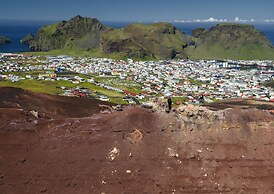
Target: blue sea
x,y
16,30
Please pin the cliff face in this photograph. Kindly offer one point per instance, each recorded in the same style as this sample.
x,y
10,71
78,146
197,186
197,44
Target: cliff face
x,y
79,32
158,40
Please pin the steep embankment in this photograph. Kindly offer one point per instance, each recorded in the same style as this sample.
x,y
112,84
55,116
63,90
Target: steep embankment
x,y
49,106
192,150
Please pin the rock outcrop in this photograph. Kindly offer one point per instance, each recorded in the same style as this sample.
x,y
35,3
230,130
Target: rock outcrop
x,y
4,40
27,39
77,33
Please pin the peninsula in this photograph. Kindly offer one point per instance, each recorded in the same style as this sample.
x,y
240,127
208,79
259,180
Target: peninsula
x,y
26,39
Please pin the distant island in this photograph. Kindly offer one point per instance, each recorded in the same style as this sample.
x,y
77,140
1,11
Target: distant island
x,y
4,40
153,41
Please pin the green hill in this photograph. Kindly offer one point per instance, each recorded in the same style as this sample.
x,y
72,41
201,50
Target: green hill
x,y
234,41
157,40
78,32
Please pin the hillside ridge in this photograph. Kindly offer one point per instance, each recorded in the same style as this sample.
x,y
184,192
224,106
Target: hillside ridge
x,y
156,40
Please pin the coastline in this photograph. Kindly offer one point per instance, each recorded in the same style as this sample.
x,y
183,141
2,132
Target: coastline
x,y
10,28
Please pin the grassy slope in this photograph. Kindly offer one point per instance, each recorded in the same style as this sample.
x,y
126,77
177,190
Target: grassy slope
x,y
50,29
232,41
97,53
213,52
249,52
51,87
154,38
152,33
47,87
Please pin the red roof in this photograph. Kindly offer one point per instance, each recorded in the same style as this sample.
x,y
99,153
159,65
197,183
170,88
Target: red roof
x,y
130,93
145,93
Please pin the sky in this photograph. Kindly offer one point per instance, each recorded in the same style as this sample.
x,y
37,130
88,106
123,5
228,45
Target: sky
x,y
139,10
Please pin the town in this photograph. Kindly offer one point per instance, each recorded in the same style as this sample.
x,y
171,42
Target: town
x,y
124,81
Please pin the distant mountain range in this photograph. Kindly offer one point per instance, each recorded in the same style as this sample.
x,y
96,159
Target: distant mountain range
x,y
157,40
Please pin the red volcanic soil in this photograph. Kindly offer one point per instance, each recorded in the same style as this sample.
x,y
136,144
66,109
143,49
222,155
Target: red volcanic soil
x,y
48,105
241,103
137,151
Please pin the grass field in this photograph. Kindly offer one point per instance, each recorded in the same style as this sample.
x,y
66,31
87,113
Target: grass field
x,y
53,87
248,52
46,87
121,84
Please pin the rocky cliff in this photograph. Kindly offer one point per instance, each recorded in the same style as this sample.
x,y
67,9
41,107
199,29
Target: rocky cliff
x,y
78,32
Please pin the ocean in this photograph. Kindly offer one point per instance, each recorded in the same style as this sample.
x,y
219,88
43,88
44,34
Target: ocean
x,y
16,30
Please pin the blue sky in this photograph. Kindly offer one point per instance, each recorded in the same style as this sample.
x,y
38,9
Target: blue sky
x,y
137,10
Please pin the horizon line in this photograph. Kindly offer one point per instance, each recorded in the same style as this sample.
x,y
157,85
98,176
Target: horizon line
x,y
268,21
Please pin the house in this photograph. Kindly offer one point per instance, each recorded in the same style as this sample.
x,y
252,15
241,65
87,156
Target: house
x,y
130,93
